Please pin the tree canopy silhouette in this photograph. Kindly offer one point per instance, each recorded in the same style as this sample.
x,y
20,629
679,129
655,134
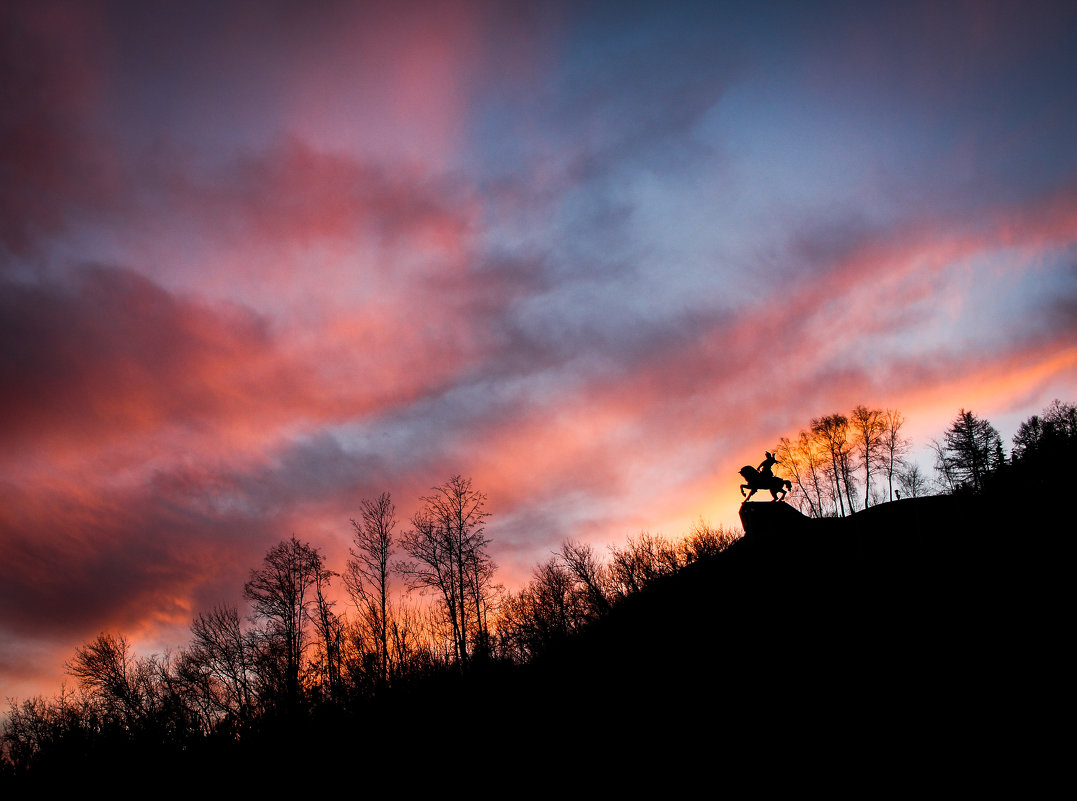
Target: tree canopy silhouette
x,y
971,450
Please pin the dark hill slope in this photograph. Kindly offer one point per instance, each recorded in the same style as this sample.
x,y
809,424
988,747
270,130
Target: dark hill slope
x,y
903,646
912,625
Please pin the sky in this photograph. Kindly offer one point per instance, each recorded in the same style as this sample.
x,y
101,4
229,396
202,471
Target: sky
x,y
262,260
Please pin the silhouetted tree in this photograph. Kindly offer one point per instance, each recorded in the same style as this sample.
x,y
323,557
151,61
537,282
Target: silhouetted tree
x,y
833,434
368,569
971,450
892,448
447,546
912,480
218,667
946,478
588,573
330,628
573,588
824,461
140,698
644,559
804,460
280,594
110,672
867,427
704,540
547,610
1044,439
42,733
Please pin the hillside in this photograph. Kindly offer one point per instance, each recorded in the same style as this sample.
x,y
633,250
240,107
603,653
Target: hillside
x,y
905,629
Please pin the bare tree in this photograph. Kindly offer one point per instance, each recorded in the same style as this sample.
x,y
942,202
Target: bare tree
x,y
108,669
704,540
892,446
588,573
547,610
38,725
135,696
867,430
912,480
804,461
644,559
407,654
280,593
944,468
219,665
330,628
368,569
824,460
833,434
447,546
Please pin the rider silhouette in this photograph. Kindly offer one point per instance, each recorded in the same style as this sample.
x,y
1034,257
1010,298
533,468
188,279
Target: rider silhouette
x,y
764,467
757,478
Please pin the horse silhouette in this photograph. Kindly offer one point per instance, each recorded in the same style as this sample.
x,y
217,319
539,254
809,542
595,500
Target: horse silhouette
x,y
757,481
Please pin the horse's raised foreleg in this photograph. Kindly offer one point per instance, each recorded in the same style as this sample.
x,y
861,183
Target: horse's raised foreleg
x,y
750,494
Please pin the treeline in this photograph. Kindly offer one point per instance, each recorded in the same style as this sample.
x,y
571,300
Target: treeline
x,y
843,463
970,457
575,588
292,656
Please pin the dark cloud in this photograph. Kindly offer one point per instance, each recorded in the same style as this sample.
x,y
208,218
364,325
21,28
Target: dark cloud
x,y
314,471
109,353
78,560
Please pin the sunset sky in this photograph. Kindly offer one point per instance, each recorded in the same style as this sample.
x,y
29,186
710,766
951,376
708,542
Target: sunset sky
x,y
261,260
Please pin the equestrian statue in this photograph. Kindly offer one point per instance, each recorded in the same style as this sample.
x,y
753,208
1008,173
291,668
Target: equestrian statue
x,y
762,478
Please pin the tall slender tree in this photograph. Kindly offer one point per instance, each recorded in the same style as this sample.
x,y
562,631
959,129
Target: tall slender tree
x,y
805,460
833,433
367,574
892,447
867,428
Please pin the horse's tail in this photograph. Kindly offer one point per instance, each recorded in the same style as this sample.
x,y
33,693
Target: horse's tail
x,y
788,485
